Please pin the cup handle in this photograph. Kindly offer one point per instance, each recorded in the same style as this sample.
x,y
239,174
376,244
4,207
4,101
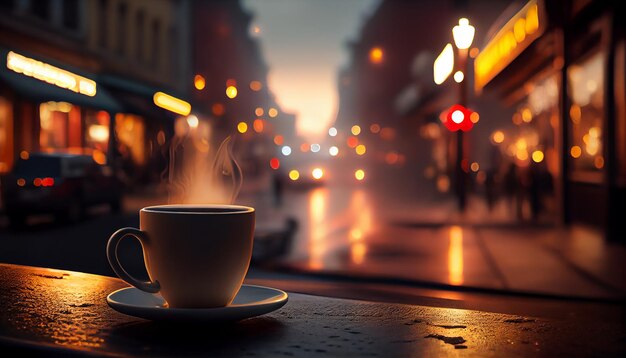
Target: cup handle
x,y
114,240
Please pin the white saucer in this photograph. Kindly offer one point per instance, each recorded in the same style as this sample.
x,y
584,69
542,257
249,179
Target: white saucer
x,y
250,301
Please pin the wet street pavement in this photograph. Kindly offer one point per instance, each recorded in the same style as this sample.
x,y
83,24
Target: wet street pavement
x,y
353,232
350,232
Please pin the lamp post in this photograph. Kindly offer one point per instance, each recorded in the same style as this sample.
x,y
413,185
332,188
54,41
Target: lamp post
x,y
463,35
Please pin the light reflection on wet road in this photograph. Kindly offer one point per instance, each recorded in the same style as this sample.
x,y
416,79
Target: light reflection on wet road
x,y
357,231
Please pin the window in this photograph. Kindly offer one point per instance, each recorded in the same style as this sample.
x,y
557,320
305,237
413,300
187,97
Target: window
x,y
53,122
586,91
140,33
40,8
71,16
130,133
7,5
6,135
156,42
122,21
102,17
173,52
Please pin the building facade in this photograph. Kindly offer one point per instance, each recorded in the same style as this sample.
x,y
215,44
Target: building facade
x,y
560,66
126,51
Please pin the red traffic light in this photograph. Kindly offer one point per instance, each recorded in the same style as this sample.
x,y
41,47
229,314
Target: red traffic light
x,y
458,118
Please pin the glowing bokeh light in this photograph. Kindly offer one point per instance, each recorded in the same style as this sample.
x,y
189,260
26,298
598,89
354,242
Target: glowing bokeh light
x,y
376,55
272,112
315,148
458,76
332,131
231,92
457,116
286,150
258,125
218,109
317,173
498,137
355,130
274,163
256,86
258,111
242,127
359,174
199,82
192,121
360,149
294,175
537,156
333,151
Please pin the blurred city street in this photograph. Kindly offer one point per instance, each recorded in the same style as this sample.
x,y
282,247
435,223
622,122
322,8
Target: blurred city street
x,y
364,236
456,154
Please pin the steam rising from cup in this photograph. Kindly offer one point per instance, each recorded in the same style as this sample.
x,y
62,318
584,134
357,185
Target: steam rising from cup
x,y
198,175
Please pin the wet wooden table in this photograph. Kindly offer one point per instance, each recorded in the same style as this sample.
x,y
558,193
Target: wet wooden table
x,y
62,312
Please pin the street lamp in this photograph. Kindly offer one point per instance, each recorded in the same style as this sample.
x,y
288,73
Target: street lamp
x,y
463,35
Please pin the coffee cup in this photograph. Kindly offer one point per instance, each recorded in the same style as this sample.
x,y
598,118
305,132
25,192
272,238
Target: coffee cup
x,y
197,256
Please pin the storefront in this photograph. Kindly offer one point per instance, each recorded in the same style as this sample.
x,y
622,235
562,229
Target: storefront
x,y
46,107
560,66
143,128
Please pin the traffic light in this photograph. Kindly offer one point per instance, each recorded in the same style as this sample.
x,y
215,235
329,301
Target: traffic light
x,y
458,118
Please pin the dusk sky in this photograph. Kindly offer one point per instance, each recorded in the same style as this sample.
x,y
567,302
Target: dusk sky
x,y
303,42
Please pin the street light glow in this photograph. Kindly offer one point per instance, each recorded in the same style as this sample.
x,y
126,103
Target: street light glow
x,y
498,137
317,173
360,149
463,34
199,82
231,92
255,86
359,174
458,76
458,116
376,55
294,175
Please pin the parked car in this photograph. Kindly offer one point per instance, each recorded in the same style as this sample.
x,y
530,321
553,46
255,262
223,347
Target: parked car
x,y
58,183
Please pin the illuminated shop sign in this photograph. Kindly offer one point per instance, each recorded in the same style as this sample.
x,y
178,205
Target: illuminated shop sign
x,y
442,68
50,74
172,103
524,28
